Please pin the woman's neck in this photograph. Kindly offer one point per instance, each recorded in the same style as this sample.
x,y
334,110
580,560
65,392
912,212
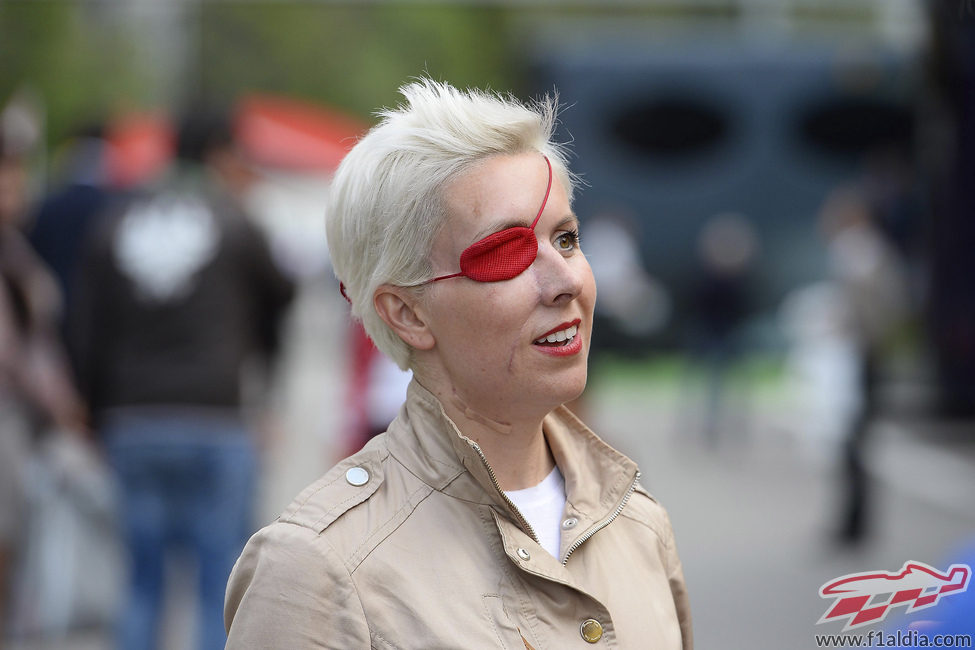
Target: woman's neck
x,y
516,450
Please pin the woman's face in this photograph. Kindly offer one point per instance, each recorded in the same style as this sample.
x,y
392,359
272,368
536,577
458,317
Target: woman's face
x,y
490,337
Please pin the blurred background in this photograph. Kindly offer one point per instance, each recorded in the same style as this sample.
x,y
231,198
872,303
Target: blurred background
x,y
774,203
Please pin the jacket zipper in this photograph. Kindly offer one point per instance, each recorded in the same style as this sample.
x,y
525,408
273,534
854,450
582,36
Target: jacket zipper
x,y
606,522
497,486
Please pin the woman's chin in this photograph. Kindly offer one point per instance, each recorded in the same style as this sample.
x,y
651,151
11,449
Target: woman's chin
x,y
568,389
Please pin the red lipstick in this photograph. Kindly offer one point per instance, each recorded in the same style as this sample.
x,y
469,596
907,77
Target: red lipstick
x,y
565,348
572,347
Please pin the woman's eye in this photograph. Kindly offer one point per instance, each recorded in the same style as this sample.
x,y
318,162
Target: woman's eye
x,y
567,241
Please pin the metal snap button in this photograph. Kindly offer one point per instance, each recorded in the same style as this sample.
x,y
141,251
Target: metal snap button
x,y
591,630
569,523
357,476
524,554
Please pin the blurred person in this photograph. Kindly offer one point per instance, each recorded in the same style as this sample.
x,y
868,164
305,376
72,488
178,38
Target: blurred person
x,y
633,305
35,387
822,365
726,249
60,223
892,186
487,514
866,270
180,293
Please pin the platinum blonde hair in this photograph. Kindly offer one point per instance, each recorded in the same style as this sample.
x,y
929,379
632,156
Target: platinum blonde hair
x,y
385,206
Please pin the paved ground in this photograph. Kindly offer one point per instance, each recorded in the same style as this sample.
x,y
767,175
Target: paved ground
x,y
752,513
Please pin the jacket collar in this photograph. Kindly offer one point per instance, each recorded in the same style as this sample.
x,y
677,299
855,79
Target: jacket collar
x,y
428,443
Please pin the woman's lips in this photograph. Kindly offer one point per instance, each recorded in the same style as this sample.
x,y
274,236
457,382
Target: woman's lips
x,y
562,340
565,348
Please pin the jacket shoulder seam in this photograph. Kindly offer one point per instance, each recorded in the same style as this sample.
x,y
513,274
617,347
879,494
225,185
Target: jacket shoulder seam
x,y
379,534
656,521
348,572
338,507
311,498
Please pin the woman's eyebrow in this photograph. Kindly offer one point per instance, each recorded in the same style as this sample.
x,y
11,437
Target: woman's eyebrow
x,y
570,219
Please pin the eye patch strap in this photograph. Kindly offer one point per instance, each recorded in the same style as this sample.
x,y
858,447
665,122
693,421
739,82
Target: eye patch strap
x,y
548,189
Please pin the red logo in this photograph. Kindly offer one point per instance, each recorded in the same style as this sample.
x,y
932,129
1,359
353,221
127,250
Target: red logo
x,y
865,598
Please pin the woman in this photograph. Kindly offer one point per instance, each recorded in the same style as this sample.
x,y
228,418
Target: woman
x,y
487,516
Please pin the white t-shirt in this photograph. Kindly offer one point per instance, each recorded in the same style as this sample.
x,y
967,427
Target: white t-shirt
x,y
543,506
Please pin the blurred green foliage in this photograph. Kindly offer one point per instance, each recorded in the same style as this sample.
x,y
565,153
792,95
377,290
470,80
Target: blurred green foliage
x,y
89,60
78,66
353,57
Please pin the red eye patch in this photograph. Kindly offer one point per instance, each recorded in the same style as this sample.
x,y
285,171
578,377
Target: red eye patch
x,y
502,255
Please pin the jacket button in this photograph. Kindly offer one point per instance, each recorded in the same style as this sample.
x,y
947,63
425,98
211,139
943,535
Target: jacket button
x,y
524,554
569,523
357,476
591,630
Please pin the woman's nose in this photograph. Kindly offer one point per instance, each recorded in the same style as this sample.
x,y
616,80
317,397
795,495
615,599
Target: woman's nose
x,y
560,277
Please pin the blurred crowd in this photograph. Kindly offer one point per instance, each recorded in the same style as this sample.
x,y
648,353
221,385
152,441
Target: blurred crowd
x,y
143,311
128,315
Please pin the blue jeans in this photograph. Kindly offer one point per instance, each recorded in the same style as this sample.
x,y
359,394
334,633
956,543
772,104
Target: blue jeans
x,y
186,479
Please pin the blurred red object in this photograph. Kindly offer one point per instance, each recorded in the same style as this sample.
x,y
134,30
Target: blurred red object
x,y
276,132
142,145
286,133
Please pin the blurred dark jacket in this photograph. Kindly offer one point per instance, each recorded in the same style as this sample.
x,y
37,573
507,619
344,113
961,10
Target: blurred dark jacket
x,y
179,291
62,220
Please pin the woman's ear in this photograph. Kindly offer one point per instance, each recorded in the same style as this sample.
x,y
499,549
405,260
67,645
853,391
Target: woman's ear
x,y
397,307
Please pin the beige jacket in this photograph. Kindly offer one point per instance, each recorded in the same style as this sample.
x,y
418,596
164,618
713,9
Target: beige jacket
x,y
410,544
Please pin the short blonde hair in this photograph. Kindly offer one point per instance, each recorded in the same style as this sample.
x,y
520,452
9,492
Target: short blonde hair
x,y
385,206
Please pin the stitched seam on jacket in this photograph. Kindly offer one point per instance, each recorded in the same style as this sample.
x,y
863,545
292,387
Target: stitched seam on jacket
x,y
377,635
519,586
653,529
380,534
651,522
355,588
622,479
340,508
293,509
529,613
443,483
494,627
290,513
